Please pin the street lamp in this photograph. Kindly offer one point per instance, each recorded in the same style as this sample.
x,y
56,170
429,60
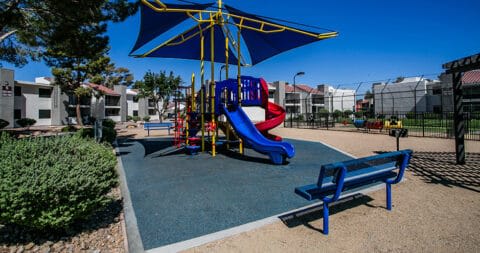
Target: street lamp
x,y
301,73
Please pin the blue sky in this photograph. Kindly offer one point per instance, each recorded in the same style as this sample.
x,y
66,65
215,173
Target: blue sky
x,y
378,40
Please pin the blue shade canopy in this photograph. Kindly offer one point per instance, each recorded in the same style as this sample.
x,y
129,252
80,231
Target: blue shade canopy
x,y
190,48
262,46
153,24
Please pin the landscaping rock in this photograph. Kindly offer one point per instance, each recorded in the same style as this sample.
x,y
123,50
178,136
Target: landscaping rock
x,y
100,233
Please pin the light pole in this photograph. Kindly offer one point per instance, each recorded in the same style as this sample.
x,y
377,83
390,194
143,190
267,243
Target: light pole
x,y
301,73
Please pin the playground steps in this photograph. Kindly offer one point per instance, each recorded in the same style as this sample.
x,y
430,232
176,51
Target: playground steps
x,y
224,126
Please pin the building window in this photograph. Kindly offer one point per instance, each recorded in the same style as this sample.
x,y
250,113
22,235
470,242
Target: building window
x,y
72,112
72,100
437,91
292,109
112,101
135,112
17,114
151,103
271,94
135,99
44,93
292,98
44,114
17,91
151,112
112,112
318,100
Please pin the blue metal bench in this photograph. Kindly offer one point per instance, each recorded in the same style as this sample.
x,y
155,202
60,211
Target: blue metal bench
x,y
345,177
157,126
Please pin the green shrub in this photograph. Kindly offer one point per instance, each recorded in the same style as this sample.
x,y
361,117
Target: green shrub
x,y
358,115
129,118
135,119
49,183
108,123
69,128
337,113
85,133
26,122
108,134
3,123
347,113
146,118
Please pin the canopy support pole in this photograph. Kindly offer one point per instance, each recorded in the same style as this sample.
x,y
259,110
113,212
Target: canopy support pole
x,y
212,81
239,82
202,80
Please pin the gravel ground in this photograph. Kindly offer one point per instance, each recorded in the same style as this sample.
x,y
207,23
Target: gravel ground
x,y
103,232
436,209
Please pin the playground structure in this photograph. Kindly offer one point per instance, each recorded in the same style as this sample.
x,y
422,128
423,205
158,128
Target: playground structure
x,y
236,125
366,124
214,32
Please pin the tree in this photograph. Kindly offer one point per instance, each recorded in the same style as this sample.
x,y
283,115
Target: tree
x,y
347,113
399,79
28,28
75,44
109,75
368,95
158,87
337,113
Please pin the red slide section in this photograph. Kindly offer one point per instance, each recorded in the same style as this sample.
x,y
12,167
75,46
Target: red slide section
x,y
274,114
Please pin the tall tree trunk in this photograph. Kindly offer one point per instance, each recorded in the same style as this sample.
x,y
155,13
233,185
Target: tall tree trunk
x,y
78,112
159,112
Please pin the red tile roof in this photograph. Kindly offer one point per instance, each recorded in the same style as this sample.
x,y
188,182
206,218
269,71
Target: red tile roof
x,y
302,87
471,77
105,90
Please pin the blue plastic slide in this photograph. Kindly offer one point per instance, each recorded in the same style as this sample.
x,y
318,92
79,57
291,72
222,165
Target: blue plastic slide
x,y
277,151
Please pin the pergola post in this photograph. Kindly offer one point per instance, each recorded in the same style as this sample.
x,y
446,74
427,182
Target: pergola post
x,y
456,69
458,119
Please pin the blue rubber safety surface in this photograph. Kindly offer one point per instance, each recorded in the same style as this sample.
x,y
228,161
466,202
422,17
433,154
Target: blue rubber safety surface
x,y
177,197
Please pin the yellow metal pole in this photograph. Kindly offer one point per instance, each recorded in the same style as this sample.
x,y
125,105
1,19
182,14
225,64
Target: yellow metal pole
x,y
239,82
194,107
202,80
226,77
212,80
187,117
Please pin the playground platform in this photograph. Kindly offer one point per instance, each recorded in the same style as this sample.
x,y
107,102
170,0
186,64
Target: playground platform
x,y
177,197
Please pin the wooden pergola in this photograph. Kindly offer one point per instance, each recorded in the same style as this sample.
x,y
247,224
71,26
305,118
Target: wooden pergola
x,y
456,69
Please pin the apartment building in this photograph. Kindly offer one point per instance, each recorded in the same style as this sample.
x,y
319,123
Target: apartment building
x,y
48,105
303,99
420,95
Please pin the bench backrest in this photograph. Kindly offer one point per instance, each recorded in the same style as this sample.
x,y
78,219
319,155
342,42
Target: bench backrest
x,y
362,167
154,124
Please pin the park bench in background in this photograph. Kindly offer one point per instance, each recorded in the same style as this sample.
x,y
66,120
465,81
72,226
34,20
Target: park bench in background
x,y
341,178
157,126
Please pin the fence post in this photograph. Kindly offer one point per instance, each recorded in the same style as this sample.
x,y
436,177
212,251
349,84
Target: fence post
x,y
423,124
326,119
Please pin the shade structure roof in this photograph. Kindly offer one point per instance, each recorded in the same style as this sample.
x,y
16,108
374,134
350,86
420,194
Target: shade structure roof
x,y
153,23
263,45
180,47
261,37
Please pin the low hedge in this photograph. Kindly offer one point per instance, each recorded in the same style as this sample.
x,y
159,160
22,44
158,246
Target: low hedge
x,y
3,123
26,122
49,183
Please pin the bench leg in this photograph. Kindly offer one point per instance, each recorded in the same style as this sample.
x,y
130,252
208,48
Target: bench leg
x,y
389,197
325,218
148,131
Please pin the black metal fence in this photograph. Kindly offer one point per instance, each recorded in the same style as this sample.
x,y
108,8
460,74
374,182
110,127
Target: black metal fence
x,y
419,124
